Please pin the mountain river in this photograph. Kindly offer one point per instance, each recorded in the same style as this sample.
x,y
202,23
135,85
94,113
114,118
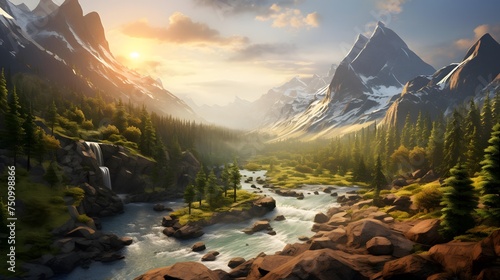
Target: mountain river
x,y
152,249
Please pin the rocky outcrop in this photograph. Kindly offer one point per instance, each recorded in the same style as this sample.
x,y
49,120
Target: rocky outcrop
x,y
100,202
410,267
188,232
181,270
425,232
258,226
234,262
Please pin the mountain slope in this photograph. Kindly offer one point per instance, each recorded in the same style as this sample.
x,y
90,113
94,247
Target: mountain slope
x,y
75,53
363,86
450,86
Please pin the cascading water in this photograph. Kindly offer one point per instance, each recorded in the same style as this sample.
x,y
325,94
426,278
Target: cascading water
x,y
152,249
96,149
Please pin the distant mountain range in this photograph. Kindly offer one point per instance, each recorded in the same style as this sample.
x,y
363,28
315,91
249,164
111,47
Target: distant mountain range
x,y
380,80
60,44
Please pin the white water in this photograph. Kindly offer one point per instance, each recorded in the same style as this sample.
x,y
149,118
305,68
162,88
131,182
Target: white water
x,y
152,249
96,149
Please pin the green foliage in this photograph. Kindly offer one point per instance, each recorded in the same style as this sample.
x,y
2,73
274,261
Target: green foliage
x,y
490,186
459,200
252,166
212,193
189,196
379,180
36,212
76,193
429,197
453,142
51,175
83,218
235,178
87,125
304,169
132,134
14,131
107,131
200,184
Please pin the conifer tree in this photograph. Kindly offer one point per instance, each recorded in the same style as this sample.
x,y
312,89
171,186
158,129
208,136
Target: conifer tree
x,y
120,117
459,201
51,175
435,146
496,107
189,196
225,178
52,116
30,138
235,178
453,142
200,184
212,190
406,133
361,173
486,122
490,186
3,93
474,152
379,181
148,134
13,124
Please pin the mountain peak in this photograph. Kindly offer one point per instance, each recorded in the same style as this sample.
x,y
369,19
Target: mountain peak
x,y
71,9
380,24
485,44
45,7
356,48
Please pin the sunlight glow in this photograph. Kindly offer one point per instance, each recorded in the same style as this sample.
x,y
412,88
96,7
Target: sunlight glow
x,y
134,55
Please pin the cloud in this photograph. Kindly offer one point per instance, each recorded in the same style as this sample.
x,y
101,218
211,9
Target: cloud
x,y
256,51
390,6
181,30
232,7
287,17
466,43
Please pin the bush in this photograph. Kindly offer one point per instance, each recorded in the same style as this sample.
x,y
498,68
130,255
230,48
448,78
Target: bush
x,y
83,218
77,194
132,134
304,169
57,200
115,138
87,125
36,213
109,130
252,166
429,198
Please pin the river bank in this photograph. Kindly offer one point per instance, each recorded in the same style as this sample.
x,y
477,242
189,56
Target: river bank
x,y
151,248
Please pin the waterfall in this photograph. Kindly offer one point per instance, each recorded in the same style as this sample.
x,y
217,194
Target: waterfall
x,y
96,149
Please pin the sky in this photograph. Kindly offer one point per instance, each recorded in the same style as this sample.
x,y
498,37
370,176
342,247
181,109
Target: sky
x,y
211,51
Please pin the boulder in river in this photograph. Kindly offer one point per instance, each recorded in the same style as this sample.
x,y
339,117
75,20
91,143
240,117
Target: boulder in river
x,y
198,247
180,270
234,262
189,232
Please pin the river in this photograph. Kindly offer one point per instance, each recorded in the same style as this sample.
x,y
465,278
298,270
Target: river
x,y
152,249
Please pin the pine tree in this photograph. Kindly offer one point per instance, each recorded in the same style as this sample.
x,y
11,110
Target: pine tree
x,y
361,173
212,191
379,181
200,184
51,175
120,117
496,107
30,138
13,123
486,122
435,146
453,142
235,177
189,196
225,178
490,186
474,152
52,116
3,93
459,201
148,134
406,133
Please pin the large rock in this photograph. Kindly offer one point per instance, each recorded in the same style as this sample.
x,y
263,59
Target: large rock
x,y
322,243
82,231
320,218
234,262
402,203
379,246
189,232
411,267
198,247
263,206
241,270
340,218
425,232
258,226
327,264
262,265
454,257
359,232
65,263
181,270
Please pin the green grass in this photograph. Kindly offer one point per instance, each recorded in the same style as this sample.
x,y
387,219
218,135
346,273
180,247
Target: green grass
x,y
205,212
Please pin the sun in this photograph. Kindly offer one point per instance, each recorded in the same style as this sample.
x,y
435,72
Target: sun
x,y
134,55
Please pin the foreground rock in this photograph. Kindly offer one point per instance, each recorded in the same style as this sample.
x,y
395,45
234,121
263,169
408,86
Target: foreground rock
x,y
258,226
198,247
234,262
182,270
189,232
425,232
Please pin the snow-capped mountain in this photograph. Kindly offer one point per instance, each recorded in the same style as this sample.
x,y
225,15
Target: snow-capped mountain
x,y
63,45
277,104
362,89
477,74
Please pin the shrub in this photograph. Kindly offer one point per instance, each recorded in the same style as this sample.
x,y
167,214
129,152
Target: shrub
x,y
429,198
57,200
36,213
77,194
132,134
109,130
304,169
87,125
115,138
252,166
83,218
